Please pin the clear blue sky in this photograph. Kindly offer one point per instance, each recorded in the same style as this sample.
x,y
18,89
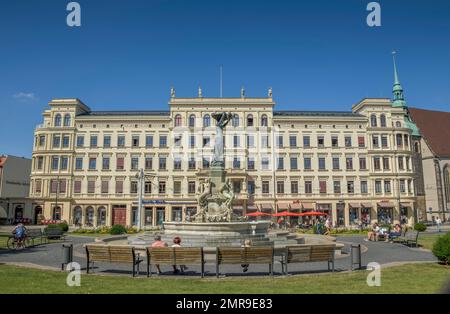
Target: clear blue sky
x,y
315,54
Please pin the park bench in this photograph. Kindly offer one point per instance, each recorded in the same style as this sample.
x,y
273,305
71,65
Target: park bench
x,y
409,238
112,254
54,233
33,234
245,256
175,256
308,253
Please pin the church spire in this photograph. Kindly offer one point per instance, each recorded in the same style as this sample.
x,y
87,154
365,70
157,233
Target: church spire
x,y
399,99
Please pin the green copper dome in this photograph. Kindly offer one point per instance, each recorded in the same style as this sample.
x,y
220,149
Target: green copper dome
x,y
412,126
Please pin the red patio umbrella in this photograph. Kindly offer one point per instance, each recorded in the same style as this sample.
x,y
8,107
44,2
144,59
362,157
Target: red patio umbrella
x,y
257,214
286,214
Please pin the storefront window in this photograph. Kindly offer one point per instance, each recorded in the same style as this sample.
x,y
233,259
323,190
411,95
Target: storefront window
x,y
354,216
340,211
148,217
385,215
160,216
365,216
176,214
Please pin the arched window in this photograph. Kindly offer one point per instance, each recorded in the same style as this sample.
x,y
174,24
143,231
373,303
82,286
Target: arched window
x,y
235,121
206,121
264,120
67,120
178,121
77,216
373,120
383,121
101,217
58,120
90,216
250,120
398,124
192,121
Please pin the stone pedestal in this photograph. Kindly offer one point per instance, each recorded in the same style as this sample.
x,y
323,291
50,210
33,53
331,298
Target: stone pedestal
x,y
217,176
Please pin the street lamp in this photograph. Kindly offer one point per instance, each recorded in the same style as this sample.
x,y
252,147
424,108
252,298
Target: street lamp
x,y
141,176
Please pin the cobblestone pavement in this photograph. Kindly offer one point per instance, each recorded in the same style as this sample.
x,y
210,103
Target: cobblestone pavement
x,y
50,255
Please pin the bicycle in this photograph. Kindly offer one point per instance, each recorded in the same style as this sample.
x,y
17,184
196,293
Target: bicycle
x,y
15,244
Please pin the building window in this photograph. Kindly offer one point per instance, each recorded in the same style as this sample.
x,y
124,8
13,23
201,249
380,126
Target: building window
x,y
53,186
162,163
177,187
306,141
293,141
378,187
265,187
407,159
323,187
401,165
373,121
398,124
235,121
308,187
387,186
399,139
120,163
192,121
107,141
91,187
105,187
265,163
251,163
250,120
191,187
92,163
264,120
334,141
41,140
251,187
279,141
294,187
134,163
402,186
386,164
178,120
264,141
336,165
322,165
280,187
162,187
280,163
362,163
320,141
148,141
350,187
237,186
105,163
307,163
205,163
67,120
206,141
177,140
93,142
177,163
250,141
135,140
79,163
364,189
383,121
55,163
236,163
58,120
64,163
133,187
163,141
148,163
375,141
119,187
192,164
361,141
77,187
384,141
65,142
416,147
206,121
349,163
348,141
294,163
40,163
337,187
121,141
236,141
406,141
56,141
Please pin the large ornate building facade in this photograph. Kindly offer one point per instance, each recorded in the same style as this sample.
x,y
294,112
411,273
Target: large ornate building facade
x,y
357,166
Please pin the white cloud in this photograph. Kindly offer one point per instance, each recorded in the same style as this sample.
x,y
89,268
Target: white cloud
x,y
24,96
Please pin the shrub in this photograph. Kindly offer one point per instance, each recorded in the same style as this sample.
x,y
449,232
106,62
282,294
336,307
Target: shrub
x,y
421,227
132,230
64,226
118,229
441,248
53,226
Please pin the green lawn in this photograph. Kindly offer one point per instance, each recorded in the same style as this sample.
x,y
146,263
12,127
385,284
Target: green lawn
x,y
412,278
3,241
427,240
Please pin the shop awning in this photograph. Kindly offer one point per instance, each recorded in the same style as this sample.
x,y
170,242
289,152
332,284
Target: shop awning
x,y
283,206
309,205
385,204
355,205
252,208
366,205
405,204
266,206
296,206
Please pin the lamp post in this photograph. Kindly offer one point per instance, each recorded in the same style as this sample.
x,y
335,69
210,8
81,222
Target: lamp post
x,y
141,175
